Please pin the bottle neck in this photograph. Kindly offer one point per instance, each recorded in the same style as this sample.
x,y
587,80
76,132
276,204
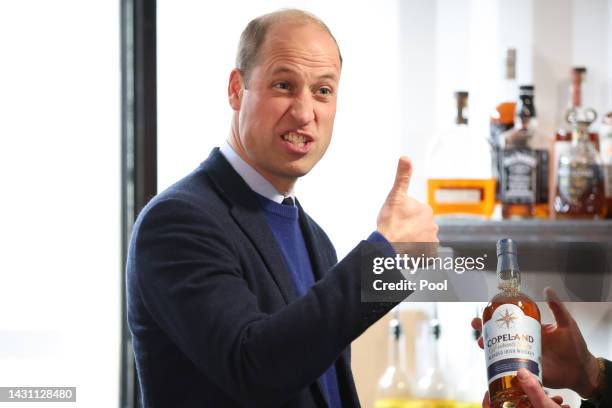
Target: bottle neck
x,y
508,274
461,101
435,341
508,90
396,356
576,90
509,77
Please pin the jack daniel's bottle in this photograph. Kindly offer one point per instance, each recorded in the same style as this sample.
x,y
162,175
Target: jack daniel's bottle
x,y
511,333
519,165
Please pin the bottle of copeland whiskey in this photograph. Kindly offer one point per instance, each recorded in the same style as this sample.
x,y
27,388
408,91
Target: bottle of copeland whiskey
x,y
580,181
511,333
519,161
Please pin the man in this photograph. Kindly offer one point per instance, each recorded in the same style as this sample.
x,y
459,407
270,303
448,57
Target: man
x,y
235,295
567,363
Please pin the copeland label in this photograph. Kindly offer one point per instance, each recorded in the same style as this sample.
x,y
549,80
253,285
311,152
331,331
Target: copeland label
x,y
575,180
512,341
518,176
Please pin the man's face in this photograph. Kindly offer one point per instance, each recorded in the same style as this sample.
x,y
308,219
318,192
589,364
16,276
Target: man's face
x,y
287,110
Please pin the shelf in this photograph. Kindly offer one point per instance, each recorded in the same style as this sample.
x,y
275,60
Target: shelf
x,y
523,231
576,246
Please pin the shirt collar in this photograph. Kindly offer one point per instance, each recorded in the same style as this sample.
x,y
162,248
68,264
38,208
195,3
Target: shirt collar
x,y
250,176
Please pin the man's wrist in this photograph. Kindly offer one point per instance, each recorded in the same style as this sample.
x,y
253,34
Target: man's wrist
x,y
593,379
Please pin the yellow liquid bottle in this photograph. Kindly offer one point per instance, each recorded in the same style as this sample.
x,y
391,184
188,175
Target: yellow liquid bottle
x,y
395,388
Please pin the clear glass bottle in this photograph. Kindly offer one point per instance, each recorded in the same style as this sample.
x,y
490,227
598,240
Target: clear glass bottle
x,y
434,389
456,186
511,333
502,118
580,180
472,384
395,389
519,160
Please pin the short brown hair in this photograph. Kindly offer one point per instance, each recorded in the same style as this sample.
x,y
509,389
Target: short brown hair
x,y
254,34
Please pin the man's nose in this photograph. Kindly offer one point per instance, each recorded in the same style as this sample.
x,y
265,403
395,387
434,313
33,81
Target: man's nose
x,y
302,108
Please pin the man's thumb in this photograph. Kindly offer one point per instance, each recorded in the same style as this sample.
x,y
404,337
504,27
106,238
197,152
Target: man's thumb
x,y
402,176
533,389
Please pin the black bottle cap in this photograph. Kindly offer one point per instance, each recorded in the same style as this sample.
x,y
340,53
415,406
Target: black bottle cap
x,y
506,246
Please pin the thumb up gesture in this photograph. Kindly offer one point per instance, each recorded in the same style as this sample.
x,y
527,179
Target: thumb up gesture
x,y
402,218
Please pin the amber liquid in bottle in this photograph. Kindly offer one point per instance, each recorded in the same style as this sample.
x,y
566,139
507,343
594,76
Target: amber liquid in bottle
x,y
580,186
505,391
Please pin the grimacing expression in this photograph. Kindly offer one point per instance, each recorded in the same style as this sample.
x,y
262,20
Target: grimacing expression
x,y
287,109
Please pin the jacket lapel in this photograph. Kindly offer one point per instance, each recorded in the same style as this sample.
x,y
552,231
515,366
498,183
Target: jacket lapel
x,y
246,211
320,265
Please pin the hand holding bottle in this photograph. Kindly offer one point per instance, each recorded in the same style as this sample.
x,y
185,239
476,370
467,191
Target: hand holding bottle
x,y
567,362
531,386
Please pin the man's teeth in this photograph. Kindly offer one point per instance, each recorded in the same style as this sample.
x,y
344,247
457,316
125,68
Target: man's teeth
x,y
297,140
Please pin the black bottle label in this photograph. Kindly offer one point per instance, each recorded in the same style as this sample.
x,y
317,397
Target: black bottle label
x,y
497,129
519,175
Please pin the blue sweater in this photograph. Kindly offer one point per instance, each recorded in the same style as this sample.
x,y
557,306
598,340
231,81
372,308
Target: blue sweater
x,y
284,223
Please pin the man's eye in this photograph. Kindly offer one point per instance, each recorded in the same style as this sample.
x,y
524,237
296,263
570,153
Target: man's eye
x,y
282,85
325,91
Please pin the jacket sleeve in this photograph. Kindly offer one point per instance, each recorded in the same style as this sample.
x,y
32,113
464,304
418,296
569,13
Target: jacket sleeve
x,y
603,396
191,282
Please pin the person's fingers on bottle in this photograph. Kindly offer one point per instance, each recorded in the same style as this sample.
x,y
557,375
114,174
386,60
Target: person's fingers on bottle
x,y
558,399
477,324
533,389
549,328
562,316
485,401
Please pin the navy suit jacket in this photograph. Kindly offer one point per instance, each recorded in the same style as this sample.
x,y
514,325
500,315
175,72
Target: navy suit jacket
x,y
213,313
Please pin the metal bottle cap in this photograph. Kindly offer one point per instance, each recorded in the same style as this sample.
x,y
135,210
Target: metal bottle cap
x,y
506,246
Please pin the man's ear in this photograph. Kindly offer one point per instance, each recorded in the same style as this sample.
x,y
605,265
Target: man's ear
x,y
235,88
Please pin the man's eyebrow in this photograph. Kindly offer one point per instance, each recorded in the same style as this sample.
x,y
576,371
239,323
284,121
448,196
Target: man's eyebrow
x,y
287,70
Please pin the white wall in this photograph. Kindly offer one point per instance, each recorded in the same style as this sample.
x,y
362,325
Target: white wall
x,y
60,269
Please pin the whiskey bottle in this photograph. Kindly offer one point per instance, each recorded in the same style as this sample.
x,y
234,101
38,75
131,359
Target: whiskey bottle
x,y
520,161
580,180
605,140
511,333
395,389
502,118
455,186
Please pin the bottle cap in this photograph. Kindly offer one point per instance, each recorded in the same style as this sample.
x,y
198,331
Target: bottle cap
x,y
506,245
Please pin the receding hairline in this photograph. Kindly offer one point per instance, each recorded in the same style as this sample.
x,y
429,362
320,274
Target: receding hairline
x,y
256,32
